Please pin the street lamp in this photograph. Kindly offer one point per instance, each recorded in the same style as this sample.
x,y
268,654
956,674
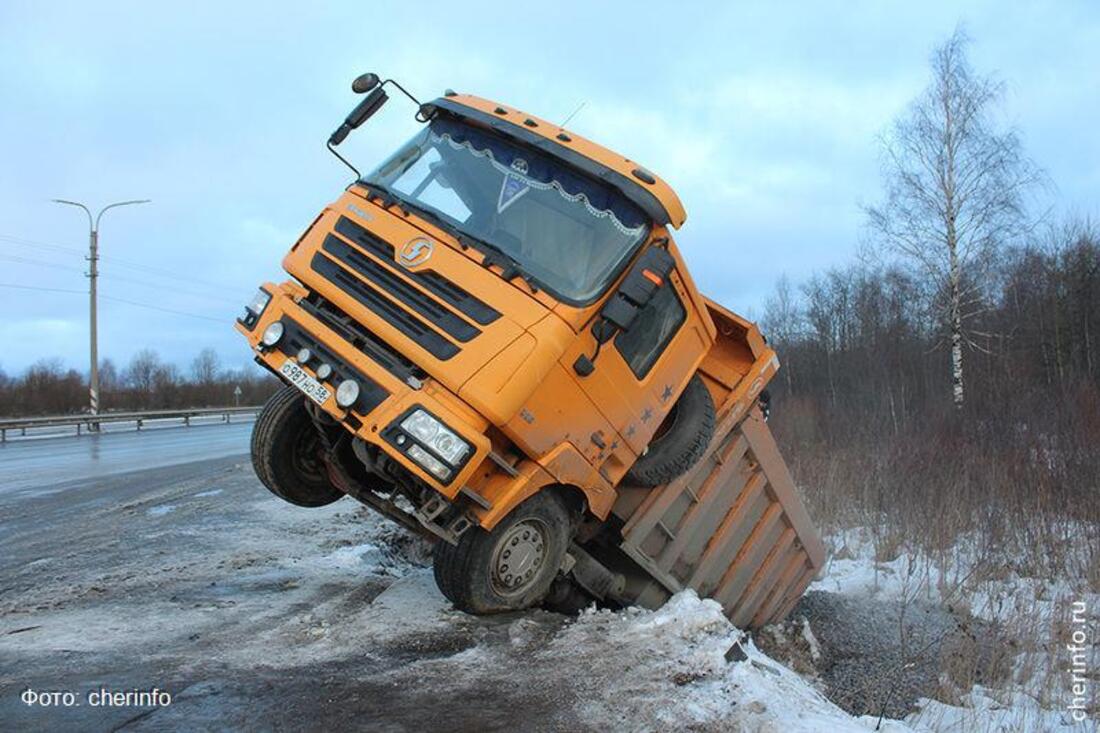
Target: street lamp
x,y
93,272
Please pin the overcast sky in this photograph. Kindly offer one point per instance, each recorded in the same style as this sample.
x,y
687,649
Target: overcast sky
x,y
763,116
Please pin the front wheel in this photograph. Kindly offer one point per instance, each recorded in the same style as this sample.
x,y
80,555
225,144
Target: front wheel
x,y
286,452
511,567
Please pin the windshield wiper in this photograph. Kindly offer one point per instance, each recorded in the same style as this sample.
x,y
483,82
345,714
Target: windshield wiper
x,y
388,197
509,268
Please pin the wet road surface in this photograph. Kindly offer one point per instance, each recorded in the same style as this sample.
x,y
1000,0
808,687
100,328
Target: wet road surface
x,y
42,464
253,614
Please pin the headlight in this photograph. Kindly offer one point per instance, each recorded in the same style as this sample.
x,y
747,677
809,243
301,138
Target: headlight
x,y
436,436
258,303
347,394
273,333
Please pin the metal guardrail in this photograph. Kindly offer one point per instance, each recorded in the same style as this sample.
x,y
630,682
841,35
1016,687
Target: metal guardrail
x,y
91,423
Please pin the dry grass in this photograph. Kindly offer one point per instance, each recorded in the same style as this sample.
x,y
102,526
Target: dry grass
x,y
978,503
1021,492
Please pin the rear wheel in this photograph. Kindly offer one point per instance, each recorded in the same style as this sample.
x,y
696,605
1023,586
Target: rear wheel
x,y
511,567
681,439
286,452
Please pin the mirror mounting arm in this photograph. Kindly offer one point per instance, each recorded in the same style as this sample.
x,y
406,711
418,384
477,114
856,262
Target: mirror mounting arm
x,y
342,159
424,112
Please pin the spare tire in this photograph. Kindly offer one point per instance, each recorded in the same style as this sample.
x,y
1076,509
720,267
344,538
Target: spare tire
x,y
681,439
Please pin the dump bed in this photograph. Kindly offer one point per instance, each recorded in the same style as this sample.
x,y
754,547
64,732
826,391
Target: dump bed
x,y
733,528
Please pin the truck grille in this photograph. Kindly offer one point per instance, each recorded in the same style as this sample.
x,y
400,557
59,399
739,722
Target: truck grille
x,y
386,279
375,348
438,285
372,298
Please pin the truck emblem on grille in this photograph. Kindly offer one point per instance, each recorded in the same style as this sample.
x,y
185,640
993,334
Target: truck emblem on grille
x,y
416,252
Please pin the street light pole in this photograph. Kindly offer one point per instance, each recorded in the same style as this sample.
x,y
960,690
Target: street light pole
x,y
93,274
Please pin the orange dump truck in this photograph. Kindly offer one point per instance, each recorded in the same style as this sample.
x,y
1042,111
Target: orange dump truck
x,y
492,339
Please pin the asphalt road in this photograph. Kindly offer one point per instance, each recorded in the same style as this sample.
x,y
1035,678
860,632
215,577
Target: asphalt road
x,y
188,576
43,464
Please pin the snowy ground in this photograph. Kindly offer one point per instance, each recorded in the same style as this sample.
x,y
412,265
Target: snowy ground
x,y
255,614
1029,684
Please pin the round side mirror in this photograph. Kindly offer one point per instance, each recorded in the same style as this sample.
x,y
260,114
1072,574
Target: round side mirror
x,y
365,83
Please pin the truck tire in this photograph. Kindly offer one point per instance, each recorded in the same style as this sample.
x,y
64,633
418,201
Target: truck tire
x,y
681,440
511,567
286,452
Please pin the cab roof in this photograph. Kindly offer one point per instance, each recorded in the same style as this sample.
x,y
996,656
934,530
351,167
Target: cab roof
x,y
644,188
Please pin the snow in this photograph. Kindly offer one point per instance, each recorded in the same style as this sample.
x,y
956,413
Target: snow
x,y
666,669
1029,610
364,556
811,641
983,711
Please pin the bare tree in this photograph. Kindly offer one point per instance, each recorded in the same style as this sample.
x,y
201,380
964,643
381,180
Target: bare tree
x,y
955,186
108,376
141,374
205,366
782,321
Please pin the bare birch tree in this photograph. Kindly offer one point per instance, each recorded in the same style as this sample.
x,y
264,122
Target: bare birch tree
x,y
955,188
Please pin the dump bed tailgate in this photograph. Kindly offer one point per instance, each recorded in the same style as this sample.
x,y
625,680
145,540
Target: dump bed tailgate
x,y
733,528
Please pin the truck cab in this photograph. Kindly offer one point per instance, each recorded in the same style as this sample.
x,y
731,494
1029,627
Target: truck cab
x,y
486,338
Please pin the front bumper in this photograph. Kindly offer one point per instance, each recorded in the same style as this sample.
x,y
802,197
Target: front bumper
x,y
389,387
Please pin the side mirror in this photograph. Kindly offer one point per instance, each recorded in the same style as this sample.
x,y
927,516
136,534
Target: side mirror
x,y
362,112
364,83
636,290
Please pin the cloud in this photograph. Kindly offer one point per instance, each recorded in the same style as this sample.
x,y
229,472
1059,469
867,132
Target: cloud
x,y
763,118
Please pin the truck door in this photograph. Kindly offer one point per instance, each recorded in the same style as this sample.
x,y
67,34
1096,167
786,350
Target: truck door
x,y
643,367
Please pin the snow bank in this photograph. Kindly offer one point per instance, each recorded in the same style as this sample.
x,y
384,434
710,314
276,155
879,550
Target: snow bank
x,y
1033,613
982,710
667,670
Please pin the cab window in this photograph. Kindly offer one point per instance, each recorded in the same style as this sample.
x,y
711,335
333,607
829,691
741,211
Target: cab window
x,y
652,330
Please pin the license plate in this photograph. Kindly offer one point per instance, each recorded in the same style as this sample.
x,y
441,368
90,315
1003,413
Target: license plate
x,y
310,386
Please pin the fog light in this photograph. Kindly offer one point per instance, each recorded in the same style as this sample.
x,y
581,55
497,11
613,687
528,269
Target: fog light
x,y
324,371
304,355
347,393
273,333
433,465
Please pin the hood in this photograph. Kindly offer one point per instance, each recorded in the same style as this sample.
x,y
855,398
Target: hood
x,y
426,298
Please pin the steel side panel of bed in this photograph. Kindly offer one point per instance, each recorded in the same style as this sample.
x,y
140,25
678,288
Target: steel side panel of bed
x,y
733,528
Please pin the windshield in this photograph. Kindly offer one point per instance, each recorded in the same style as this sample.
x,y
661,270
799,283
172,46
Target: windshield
x,y
569,232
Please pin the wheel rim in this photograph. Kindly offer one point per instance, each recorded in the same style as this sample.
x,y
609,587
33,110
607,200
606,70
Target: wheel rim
x,y
518,557
305,455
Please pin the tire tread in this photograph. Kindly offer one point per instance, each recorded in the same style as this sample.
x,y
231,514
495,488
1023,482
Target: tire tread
x,y
267,431
654,470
